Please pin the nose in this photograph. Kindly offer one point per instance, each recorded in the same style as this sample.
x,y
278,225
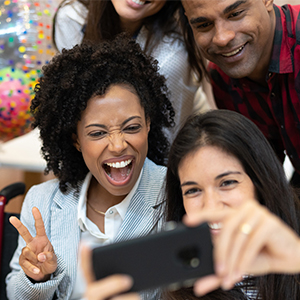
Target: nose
x,y
211,201
117,142
224,33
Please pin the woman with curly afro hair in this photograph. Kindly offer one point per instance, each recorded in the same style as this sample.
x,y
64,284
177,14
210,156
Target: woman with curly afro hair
x,y
154,25
97,107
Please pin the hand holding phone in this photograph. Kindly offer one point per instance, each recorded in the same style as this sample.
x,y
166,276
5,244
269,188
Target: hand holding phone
x,y
170,258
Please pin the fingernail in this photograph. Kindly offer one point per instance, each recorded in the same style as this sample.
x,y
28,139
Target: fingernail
x,y
42,257
35,270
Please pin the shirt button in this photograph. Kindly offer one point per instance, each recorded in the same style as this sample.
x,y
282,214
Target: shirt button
x,y
270,74
111,212
282,126
273,95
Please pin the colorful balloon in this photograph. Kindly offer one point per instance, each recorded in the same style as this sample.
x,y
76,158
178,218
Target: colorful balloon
x,y
25,46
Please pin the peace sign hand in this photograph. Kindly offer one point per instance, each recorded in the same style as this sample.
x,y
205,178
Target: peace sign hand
x,y
37,259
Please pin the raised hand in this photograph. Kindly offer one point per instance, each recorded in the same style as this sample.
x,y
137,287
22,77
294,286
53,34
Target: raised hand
x,y
108,287
252,241
37,259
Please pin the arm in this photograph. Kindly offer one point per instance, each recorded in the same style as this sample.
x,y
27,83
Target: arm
x,y
269,246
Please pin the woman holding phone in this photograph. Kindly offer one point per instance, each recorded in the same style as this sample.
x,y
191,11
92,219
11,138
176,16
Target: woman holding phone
x,y
221,161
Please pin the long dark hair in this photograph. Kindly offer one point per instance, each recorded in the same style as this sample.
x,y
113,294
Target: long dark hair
x,y
238,136
219,294
195,58
103,22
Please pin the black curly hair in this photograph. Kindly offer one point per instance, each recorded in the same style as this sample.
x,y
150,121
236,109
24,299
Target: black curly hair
x,y
75,76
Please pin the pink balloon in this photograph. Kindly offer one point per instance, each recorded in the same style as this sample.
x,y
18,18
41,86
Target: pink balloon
x,y
15,116
25,46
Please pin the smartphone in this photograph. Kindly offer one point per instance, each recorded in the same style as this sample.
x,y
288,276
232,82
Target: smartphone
x,y
171,258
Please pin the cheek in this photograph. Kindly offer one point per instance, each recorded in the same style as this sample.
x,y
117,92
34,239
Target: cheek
x,y
139,143
200,39
92,152
191,205
241,197
203,42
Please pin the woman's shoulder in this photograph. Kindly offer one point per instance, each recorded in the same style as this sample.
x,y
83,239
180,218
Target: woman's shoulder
x,y
151,168
43,190
153,176
48,194
74,10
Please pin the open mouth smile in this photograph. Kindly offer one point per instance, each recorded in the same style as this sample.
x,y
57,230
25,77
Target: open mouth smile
x,y
119,173
215,226
234,52
139,2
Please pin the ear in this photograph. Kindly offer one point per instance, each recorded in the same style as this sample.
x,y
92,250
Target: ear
x,y
148,123
269,5
76,142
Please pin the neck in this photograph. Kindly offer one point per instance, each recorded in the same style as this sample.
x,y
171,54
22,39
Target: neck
x,y
131,27
100,198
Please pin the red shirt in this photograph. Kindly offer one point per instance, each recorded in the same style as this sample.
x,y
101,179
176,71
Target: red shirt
x,y
274,109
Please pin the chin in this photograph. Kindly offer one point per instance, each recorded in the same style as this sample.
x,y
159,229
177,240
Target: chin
x,y
240,71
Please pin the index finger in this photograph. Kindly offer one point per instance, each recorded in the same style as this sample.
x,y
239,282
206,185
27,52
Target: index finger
x,y
23,231
198,217
39,223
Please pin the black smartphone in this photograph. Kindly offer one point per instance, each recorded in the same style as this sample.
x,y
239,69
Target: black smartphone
x,y
171,258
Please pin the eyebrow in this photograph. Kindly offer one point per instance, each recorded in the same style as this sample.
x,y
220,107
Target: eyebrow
x,y
233,6
188,183
227,173
122,124
218,177
227,10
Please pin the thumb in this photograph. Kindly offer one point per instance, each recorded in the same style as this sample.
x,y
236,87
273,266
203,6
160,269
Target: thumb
x,y
50,257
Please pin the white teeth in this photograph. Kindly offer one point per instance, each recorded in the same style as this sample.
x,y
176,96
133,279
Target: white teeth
x,y
233,52
121,164
139,2
215,225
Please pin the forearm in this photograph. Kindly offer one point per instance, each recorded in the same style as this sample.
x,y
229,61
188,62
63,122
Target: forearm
x,y
20,287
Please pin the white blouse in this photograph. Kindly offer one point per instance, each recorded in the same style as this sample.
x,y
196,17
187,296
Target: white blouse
x,y
91,234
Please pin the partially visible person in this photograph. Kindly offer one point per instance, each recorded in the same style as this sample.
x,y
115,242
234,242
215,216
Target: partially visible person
x,y
254,50
220,161
154,25
101,110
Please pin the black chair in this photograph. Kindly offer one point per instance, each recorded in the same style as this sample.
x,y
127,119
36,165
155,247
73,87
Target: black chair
x,y
8,234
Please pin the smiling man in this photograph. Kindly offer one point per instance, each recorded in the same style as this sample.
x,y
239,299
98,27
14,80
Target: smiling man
x,y
254,51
